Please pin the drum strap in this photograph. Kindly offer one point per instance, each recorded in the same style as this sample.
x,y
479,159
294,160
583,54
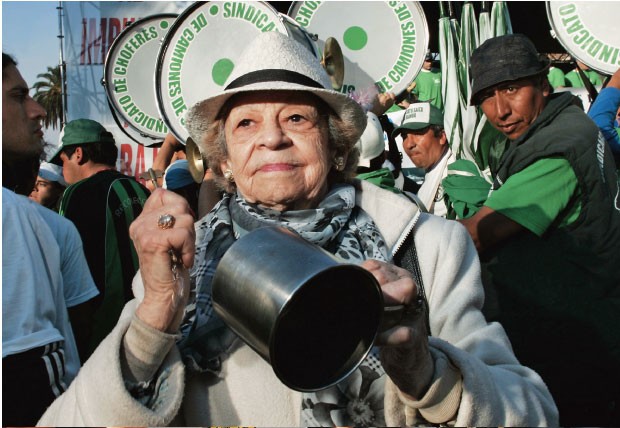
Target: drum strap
x,y
592,92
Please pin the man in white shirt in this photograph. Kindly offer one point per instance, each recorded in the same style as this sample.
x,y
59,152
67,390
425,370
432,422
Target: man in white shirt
x,y
43,269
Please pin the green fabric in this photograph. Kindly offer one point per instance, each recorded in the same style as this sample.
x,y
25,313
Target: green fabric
x,y
81,131
556,77
394,108
84,131
428,87
574,78
120,253
382,177
544,193
465,188
102,207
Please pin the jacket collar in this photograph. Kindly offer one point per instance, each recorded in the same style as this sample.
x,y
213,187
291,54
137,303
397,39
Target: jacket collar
x,y
394,214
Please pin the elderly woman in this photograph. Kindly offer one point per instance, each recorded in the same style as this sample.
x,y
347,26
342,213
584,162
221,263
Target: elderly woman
x,y
280,142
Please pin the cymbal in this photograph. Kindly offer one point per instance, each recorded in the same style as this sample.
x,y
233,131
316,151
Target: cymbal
x,y
333,62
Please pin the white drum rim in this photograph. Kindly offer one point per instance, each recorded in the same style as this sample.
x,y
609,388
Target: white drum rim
x,y
570,47
287,20
418,6
133,132
181,20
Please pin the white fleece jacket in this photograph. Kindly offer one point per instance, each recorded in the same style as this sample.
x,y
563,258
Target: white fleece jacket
x,y
478,381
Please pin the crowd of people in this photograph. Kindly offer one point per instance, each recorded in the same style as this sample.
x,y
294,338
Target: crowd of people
x,y
511,306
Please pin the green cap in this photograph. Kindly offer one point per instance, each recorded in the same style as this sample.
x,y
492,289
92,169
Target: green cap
x,y
419,116
81,131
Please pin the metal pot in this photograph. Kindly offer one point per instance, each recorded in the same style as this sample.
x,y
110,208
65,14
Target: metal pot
x,y
313,318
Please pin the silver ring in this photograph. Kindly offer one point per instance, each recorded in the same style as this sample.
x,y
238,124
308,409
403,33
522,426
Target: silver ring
x,y
166,221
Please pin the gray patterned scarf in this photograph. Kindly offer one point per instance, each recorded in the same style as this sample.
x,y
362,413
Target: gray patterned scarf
x,y
338,226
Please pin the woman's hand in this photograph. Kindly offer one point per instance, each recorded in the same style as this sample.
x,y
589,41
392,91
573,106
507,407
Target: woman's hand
x,y
164,295
405,353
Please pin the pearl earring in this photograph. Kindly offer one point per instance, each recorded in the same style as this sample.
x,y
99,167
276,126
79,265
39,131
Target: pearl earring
x,y
228,175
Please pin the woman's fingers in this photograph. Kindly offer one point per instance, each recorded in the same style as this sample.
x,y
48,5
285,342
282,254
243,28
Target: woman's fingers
x,y
164,235
396,283
165,224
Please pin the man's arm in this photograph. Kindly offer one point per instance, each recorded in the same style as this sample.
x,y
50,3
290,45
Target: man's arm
x,y
603,111
164,158
489,228
530,200
81,318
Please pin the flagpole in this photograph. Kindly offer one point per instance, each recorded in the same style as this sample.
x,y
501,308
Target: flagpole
x,y
63,68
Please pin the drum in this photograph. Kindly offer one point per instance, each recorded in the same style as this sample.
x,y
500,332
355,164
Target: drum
x,y
128,78
200,49
588,30
383,43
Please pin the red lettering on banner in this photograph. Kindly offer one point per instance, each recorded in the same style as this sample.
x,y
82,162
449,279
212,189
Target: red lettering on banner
x,y
140,165
104,30
114,29
126,157
94,42
97,38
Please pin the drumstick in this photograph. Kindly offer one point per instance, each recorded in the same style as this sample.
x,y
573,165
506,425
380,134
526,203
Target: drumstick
x,y
153,177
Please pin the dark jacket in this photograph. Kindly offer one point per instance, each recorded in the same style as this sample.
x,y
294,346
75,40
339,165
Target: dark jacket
x,y
558,296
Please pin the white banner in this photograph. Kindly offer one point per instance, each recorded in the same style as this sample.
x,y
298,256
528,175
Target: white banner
x,y
89,30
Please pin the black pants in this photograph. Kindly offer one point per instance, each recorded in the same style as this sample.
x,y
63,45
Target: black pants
x,y
31,380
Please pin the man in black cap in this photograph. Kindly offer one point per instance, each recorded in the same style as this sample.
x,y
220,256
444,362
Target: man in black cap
x,y
102,203
549,233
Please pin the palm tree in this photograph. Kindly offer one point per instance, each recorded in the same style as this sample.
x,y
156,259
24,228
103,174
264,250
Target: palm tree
x,y
49,95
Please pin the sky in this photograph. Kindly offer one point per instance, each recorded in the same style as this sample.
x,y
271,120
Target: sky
x,y
30,34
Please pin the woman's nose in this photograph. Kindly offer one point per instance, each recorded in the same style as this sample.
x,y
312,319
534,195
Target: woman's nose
x,y
273,136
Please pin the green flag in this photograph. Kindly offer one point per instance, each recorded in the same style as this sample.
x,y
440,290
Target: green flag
x,y
448,50
500,19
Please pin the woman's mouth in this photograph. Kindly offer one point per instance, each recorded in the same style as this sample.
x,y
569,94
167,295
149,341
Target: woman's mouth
x,y
276,167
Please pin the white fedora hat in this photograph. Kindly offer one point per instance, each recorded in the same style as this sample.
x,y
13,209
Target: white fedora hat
x,y
274,61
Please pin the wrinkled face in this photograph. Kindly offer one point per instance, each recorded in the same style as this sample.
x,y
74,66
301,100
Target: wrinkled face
x,y
22,136
512,107
278,149
423,147
45,192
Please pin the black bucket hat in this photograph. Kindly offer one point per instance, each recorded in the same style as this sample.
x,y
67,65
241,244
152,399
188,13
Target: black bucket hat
x,y
504,59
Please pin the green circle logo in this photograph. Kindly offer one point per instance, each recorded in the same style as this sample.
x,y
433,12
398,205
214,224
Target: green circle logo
x,y
163,24
221,70
355,38
214,10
